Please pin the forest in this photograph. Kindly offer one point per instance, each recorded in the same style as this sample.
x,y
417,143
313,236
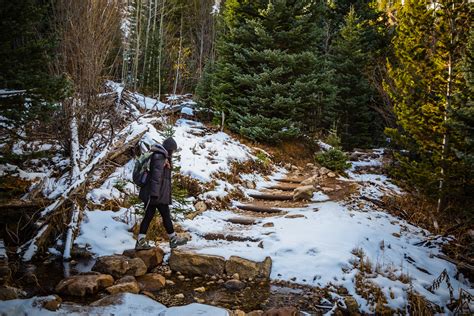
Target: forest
x,y
369,103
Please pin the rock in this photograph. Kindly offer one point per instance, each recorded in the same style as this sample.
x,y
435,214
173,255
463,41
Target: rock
x,y
255,313
248,268
269,224
249,184
200,206
295,216
327,189
151,282
331,175
310,181
324,171
294,168
220,281
196,264
126,279
124,287
237,312
234,285
9,293
241,220
199,300
236,276
169,283
282,311
310,165
351,304
52,304
179,296
82,285
119,266
151,257
181,277
260,244
201,289
303,193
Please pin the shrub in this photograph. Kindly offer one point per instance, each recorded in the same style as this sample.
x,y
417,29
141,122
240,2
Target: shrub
x,y
334,159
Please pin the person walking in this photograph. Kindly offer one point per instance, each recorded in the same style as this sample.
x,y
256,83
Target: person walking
x,y
156,194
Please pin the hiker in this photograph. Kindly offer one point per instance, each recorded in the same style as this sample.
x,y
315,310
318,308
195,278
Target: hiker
x,y
156,193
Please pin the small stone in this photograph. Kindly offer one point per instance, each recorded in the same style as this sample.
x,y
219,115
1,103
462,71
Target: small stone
x,y
220,281
199,300
269,224
234,285
168,273
303,192
200,206
295,216
53,304
151,282
201,289
210,283
331,175
129,287
238,312
169,282
197,278
187,279
181,277
235,276
260,244
327,189
82,285
255,313
179,296
213,277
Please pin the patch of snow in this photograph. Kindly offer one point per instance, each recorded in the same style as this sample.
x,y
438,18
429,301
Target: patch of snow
x,y
187,110
105,232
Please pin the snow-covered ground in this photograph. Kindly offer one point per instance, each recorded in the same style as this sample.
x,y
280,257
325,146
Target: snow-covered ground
x,y
126,304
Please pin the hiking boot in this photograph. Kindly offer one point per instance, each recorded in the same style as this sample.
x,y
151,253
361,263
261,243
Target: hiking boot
x,y
176,241
142,244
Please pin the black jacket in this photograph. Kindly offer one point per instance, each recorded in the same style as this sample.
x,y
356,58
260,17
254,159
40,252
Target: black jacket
x,y
157,189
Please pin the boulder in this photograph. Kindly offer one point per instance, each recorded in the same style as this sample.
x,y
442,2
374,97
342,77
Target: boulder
x,y
269,224
127,284
282,311
303,193
10,293
248,268
200,206
234,285
151,257
310,181
196,264
82,285
119,266
151,282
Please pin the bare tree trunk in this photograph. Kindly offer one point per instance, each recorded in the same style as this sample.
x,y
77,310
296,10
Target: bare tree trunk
x,y
179,55
75,155
160,47
137,46
147,34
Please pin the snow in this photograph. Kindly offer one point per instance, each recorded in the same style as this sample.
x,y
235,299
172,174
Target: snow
x,y
105,232
125,304
187,110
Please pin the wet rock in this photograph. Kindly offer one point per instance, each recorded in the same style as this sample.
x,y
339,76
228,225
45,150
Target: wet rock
x,y
248,268
295,216
234,285
196,264
52,303
151,282
282,311
130,286
303,192
82,285
10,293
200,206
201,289
151,257
119,266
270,224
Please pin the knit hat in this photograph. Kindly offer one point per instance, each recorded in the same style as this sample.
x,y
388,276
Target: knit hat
x,y
170,144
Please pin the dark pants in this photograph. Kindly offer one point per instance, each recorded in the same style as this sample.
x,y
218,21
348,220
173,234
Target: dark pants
x,y
150,211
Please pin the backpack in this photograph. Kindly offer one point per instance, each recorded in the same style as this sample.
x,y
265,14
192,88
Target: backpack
x,y
141,169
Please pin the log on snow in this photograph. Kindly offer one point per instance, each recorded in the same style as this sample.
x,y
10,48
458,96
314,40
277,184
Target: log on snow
x,y
271,197
258,209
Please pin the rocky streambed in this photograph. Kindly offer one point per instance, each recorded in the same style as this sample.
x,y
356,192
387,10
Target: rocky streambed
x,y
238,285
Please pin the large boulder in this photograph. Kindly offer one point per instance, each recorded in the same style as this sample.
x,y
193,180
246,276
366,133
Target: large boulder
x,y
248,268
127,284
304,192
119,266
151,257
196,264
151,282
82,285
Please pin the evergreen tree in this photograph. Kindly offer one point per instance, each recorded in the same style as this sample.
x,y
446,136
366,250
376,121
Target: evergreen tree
x,y
265,77
428,86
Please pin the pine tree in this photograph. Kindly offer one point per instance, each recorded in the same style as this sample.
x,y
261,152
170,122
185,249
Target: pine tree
x,y
428,85
265,77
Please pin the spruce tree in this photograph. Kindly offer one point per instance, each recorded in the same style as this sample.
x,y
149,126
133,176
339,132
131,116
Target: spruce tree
x,y
265,77
428,85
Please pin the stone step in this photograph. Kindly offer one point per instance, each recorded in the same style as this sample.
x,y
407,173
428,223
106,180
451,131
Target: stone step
x,y
282,187
271,197
290,180
258,208
241,220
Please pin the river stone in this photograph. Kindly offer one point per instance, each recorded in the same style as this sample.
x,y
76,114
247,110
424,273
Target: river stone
x,y
234,285
119,266
151,282
282,311
196,264
82,285
303,193
248,268
151,257
124,287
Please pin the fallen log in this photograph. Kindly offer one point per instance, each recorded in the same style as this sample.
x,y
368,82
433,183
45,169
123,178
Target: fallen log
x,y
271,197
282,187
290,180
125,139
258,209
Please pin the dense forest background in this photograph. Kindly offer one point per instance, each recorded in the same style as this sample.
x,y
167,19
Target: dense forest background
x,y
395,74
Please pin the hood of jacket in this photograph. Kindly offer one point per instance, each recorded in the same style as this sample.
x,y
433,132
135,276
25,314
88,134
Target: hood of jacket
x,y
158,148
